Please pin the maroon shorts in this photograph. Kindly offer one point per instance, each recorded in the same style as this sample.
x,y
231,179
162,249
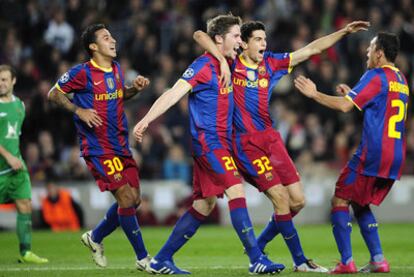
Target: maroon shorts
x,y
362,189
213,173
112,172
263,160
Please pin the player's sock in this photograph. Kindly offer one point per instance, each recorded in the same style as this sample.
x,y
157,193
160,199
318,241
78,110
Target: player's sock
x,y
290,235
24,232
107,225
244,228
268,233
342,228
184,229
369,231
129,224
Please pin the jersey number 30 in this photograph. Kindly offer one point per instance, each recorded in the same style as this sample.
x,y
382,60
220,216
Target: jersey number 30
x,y
114,165
400,116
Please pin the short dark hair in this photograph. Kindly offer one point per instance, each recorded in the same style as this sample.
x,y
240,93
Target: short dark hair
x,y
88,36
248,28
389,43
221,24
6,67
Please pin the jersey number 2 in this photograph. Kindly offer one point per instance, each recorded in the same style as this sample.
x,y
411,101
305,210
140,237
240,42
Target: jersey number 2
x,y
401,115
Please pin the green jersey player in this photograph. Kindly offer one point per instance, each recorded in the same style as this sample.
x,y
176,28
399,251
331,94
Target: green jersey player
x,y
14,178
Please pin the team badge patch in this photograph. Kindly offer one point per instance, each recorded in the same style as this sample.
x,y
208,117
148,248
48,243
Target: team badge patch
x,y
188,73
269,176
117,177
110,83
251,75
262,70
263,83
64,78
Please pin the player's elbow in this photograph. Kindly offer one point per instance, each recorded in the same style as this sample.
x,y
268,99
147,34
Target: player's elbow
x,y
346,108
51,95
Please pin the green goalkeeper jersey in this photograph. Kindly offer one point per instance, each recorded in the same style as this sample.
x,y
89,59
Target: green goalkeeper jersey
x,y
11,119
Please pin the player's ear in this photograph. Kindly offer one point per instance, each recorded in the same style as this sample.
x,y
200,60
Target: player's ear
x,y
244,45
14,81
93,46
218,39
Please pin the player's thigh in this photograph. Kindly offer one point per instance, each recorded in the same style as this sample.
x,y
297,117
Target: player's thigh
x,y
205,206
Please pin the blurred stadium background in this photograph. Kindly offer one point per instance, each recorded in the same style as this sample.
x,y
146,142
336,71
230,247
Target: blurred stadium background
x,y
40,38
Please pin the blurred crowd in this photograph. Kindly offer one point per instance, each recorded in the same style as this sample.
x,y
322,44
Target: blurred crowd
x,y
40,38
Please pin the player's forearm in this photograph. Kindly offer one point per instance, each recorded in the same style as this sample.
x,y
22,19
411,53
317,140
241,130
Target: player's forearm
x,y
4,153
130,92
316,47
61,100
161,105
338,103
207,44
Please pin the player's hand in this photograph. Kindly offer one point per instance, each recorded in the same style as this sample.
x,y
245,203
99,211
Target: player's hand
x,y
225,74
139,130
14,162
342,89
306,86
140,82
356,26
90,117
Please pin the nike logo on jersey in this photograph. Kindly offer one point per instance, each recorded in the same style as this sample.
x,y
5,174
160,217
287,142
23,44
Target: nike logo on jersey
x,y
97,83
3,114
187,237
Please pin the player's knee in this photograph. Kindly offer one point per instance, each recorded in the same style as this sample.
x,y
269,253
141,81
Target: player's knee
x,y
24,206
339,202
298,204
279,196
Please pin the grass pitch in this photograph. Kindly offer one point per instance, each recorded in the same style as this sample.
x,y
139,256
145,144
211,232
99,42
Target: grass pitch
x,y
213,251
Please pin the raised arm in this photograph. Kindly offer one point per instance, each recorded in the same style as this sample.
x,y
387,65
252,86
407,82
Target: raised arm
x,y
89,116
207,44
323,43
139,83
161,105
308,88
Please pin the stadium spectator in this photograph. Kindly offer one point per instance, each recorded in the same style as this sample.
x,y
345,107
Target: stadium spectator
x,y
60,212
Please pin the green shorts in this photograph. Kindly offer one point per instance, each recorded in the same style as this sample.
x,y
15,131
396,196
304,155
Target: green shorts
x,y
15,185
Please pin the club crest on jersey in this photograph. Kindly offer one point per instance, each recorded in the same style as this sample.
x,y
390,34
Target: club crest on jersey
x,y
262,70
64,78
263,83
110,83
117,177
251,75
269,176
188,73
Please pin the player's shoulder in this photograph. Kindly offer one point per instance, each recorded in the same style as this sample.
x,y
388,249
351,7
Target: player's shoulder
x,y
204,59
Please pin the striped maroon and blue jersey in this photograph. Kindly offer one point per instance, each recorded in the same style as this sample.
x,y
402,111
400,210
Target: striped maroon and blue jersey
x,y
382,93
253,86
210,106
101,89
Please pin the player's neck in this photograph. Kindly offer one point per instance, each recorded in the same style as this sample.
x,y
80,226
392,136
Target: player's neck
x,y
249,61
6,98
103,62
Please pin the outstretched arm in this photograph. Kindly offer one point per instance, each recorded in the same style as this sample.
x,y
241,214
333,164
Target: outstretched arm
x,y
160,106
207,44
323,43
89,116
308,88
